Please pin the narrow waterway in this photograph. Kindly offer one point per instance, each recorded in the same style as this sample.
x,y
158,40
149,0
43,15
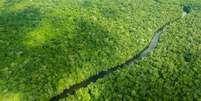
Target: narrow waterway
x,y
152,45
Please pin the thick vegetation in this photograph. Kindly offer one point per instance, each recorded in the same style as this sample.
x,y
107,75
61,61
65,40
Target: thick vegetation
x,y
49,45
171,72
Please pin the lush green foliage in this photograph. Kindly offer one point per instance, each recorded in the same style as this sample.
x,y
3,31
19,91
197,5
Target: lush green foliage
x,y
171,72
49,45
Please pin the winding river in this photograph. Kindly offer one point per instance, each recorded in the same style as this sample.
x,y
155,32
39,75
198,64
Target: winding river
x,y
152,45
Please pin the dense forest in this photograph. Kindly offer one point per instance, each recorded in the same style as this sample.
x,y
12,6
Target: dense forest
x,y
100,50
